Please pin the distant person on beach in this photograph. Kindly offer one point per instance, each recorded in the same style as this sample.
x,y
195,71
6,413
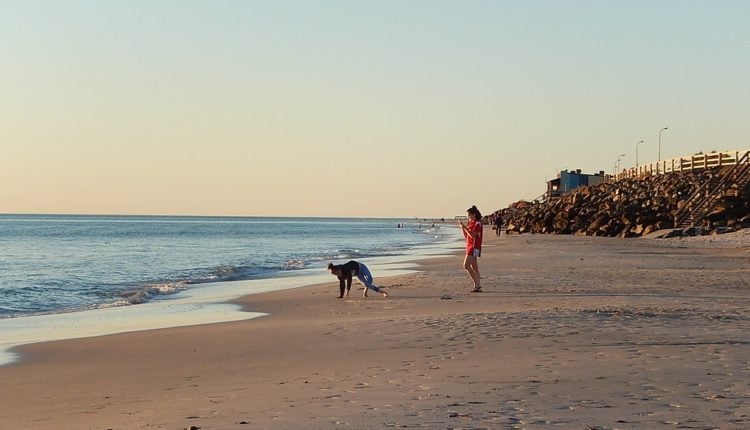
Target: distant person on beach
x,y
472,232
498,224
345,272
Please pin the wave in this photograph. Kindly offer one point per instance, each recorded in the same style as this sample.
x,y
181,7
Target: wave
x,y
147,292
225,273
160,256
294,264
143,293
228,272
310,261
344,253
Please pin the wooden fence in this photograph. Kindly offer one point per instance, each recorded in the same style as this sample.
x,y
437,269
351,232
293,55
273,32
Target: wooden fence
x,y
682,164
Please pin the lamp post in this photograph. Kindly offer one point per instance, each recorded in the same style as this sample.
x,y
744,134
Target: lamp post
x,y
617,165
636,152
657,167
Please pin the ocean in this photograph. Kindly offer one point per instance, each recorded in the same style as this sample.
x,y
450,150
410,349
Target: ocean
x,y
81,276
53,264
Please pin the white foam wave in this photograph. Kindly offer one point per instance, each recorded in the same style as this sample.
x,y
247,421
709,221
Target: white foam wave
x,y
144,294
116,304
294,264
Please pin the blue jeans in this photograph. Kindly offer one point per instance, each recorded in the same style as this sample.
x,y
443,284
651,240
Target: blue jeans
x,y
365,277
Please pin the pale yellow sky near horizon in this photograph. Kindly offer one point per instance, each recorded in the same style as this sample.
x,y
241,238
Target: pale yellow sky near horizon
x,y
365,109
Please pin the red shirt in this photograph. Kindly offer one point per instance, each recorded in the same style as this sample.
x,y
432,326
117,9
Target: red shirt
x,y
475,228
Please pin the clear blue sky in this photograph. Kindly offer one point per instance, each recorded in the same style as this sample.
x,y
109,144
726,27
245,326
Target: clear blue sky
x,y
353,108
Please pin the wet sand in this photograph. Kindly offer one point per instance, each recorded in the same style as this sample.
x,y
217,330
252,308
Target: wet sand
x,y
570,332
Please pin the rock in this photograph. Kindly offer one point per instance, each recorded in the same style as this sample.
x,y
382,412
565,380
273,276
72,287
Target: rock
x,y
631,207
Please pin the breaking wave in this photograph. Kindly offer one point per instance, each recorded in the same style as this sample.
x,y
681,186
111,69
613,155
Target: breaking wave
x,y
146,293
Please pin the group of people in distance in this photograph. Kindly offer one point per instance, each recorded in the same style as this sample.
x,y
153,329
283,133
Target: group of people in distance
x,y
472,232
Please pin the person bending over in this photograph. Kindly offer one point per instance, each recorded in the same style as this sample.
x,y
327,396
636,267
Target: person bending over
x,y
345,272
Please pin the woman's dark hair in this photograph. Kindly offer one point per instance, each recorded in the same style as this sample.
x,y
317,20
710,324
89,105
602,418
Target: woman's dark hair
x,y
474,211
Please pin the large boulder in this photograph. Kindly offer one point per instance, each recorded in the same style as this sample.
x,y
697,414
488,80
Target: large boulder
x,y
630,207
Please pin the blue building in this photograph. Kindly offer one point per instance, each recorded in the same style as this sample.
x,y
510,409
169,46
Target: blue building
x,y
568,181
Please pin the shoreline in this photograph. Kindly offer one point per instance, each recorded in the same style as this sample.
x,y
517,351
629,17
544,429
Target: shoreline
x,y
206,303
570,331
123,261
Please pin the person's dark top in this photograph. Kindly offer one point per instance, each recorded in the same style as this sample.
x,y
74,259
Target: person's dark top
x,y
345,278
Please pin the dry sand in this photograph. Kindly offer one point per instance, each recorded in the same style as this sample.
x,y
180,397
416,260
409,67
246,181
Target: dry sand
x,y
570,333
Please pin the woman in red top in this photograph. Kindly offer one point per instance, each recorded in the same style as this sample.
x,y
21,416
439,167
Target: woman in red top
x,y
472,232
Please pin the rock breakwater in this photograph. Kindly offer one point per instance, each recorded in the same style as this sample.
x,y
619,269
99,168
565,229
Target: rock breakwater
x,y
630,207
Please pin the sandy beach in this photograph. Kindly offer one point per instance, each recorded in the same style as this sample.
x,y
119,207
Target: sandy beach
x,y
570,332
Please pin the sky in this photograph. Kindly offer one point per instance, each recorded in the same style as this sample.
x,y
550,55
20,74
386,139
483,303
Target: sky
x,y
413,108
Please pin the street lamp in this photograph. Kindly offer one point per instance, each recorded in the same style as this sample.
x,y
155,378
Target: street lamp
x,y
617,165
665,128
636,152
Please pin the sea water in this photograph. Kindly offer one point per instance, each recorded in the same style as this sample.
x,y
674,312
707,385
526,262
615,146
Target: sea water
x,y
65,276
